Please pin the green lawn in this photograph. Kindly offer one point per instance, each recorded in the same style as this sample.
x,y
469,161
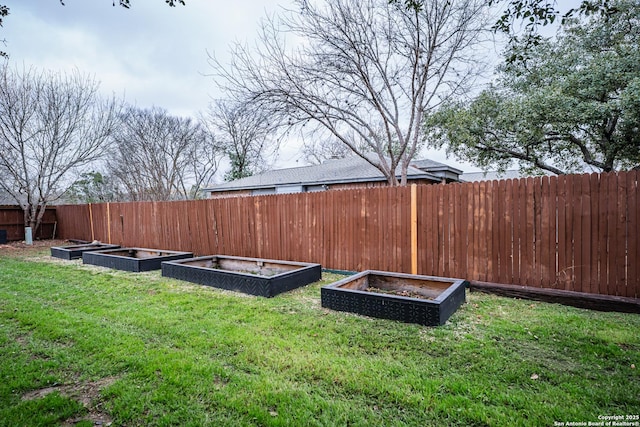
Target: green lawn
x,y
86,343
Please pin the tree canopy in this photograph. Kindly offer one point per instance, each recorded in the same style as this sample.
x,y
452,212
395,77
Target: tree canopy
x,y
51,126
245,133
365,71
157,156
573,104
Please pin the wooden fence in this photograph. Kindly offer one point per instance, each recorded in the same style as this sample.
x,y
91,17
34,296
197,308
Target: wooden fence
x,y
12,220
577,232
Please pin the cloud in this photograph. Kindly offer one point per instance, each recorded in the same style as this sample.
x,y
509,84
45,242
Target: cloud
x,y
155,54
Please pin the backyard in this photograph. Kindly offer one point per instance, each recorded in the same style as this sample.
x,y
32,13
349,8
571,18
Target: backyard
x,y
83,345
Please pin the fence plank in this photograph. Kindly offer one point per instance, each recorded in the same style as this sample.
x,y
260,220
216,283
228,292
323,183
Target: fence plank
x,y
552,272
633,284
482,256
518,227
494,235
457,232
507,234
620,246
594,190
585,233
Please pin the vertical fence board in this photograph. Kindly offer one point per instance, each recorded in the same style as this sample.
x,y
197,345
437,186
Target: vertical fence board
x,y
507,236
561,274
543,250
456,232
553,232
482,256
576,230
493,273
620,245
602,238
570,213
594,190
539,237
612,220
446,232
518,228
585,233
633,284
528,232
431,235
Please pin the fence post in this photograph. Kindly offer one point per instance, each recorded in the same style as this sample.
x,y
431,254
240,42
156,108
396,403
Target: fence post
x,y
91,221
108,223
414,229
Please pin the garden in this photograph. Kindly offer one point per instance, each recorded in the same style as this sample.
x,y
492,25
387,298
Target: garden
x,y
85,345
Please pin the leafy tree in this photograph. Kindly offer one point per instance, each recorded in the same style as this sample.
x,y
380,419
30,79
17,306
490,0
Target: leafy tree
x,y
93,187
521,19
365,71
51,126
574,103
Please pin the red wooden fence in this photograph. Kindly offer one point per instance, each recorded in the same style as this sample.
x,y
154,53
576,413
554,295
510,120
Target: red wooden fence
x,y
12,220
576,232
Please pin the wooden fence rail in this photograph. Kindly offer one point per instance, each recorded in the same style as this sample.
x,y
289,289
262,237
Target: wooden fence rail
x,y
576,232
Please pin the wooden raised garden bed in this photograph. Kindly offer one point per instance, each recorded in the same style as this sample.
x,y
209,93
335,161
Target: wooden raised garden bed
x,y
255,276
133,259
76,251
425,300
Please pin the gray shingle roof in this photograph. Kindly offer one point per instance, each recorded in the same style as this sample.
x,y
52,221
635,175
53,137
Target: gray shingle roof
x,y
433,166
338,171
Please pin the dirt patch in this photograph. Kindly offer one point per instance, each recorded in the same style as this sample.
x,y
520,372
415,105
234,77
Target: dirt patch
x,y
20,248
20,244
402,293
87,393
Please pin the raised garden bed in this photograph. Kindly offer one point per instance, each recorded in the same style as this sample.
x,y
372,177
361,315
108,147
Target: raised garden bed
x,y
133,259
76,251
425,300
255,276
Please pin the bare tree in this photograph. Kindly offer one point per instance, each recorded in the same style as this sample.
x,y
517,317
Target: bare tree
x,y
245,134
317,151
362,68
51,125
161,157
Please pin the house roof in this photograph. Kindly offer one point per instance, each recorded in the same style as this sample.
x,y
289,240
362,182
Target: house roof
x,y
336,171
433,166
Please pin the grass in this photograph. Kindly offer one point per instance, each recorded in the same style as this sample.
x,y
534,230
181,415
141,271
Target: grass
x,y
142,350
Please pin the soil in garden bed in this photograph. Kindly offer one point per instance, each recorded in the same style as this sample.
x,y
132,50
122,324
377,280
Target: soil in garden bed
x,y
402,293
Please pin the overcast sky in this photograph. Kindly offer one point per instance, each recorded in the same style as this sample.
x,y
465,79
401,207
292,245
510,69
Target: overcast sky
x,y
151,54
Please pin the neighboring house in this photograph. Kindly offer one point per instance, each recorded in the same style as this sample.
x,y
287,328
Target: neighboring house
x,y
494,175
350,172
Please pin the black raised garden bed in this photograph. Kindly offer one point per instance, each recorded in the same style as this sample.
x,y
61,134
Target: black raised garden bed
x,y
255,276
425,300
133,259
76,251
